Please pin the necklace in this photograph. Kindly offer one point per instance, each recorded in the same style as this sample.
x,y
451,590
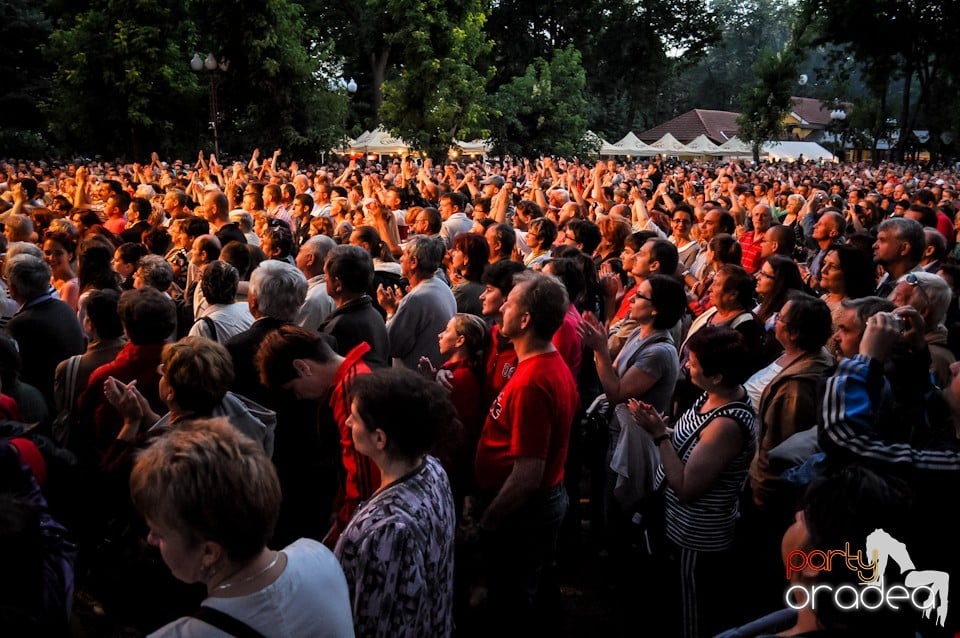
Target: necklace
x,y
263,571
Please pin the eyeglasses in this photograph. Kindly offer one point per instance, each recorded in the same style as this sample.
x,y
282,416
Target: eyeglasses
x,y
643,296
914,281
778,318
763,274
681,220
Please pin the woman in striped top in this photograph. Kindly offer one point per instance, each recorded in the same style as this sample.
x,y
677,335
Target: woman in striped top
x,y
703,470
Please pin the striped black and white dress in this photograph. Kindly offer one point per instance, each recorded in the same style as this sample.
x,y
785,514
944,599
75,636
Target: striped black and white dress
x,y
707,524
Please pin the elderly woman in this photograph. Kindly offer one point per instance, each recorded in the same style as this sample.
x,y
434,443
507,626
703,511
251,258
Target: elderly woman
x,y
195,377
703,464
786,392
541,234
210,497
397,551
732,294
683,221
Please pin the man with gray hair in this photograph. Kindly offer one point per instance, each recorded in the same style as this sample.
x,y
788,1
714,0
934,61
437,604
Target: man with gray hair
x,y
899,249
930,295
318,304
414,320
153,271
18,228
277,290
46,329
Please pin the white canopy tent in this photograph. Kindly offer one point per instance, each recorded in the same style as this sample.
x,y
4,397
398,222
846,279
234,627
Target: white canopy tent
x,y
791,151
734,147
476,147
630,144
379,142
701,145
609,150
668,144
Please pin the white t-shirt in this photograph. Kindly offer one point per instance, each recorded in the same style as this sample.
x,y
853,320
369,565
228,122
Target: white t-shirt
x,y
308,599
756,384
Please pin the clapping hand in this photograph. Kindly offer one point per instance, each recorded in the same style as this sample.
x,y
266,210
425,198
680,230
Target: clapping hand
x,y
647,417
389,297
425,367
591,332
127,400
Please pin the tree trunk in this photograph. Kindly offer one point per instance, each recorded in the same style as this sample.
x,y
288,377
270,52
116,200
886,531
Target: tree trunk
x,y
378,72
905,110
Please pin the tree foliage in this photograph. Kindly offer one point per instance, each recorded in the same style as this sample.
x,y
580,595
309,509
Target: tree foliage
x,y
768,100
114,77
746,27
912,40
23,29
121,81
438,92
272,92
630,50
543,111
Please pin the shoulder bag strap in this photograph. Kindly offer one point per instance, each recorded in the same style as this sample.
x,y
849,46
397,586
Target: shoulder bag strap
x,y
211,326
70,381
643,346
226,623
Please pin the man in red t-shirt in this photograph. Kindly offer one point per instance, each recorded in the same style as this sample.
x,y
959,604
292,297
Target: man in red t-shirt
x,y
523,449
300,361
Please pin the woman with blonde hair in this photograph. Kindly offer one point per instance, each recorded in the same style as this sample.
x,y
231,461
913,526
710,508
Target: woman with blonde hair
x,y
211,497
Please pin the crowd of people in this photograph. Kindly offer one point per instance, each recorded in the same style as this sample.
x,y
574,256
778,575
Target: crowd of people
x,y
394,398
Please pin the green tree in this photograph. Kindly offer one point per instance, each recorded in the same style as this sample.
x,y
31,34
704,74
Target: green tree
x,y
630,49
764,104
121,81
274,91
909,40
543,111
23,28
437,94
746,27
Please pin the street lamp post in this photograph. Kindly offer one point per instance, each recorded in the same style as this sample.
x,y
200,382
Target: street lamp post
x,y
213,68
838,116
343,85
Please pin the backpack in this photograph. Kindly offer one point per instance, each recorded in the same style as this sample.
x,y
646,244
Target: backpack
x,y
66,397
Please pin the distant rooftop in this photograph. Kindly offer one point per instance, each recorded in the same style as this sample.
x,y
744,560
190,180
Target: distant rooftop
x,y
718,126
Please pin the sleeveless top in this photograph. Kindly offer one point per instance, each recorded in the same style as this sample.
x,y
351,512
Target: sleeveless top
x,y
707,524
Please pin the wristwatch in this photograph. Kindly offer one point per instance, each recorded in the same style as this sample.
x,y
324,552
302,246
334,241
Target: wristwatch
x,y
657,440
